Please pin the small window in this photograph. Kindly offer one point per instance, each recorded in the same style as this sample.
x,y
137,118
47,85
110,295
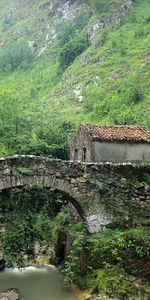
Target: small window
x,y
84,154
76,154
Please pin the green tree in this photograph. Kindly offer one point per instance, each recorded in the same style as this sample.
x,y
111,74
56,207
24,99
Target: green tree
x,y
9,111
75,46
15,54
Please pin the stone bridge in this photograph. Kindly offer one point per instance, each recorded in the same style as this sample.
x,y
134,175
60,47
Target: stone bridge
x,y
101,193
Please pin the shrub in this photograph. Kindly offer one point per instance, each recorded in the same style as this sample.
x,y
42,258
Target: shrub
x,y
106,260
15,54
18,238
32,214
97,5
70,29
76,45
114,281
100,6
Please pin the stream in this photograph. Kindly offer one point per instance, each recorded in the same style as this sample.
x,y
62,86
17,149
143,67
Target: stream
x,y
36,283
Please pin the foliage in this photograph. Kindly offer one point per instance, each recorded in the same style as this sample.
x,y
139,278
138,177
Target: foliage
x,y
9,111
3,150
99,6
75,46
115,282
15,54
74,267
58,225
24,170
42,227
105,261
72,40
18,134
32,214
31,199
111,75
69,29
56,138
18,239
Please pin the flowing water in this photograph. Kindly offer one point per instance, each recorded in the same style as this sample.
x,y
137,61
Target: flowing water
x,y
35,283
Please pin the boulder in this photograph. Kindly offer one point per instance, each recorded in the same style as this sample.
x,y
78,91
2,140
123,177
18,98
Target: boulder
x,y
10,294
2,264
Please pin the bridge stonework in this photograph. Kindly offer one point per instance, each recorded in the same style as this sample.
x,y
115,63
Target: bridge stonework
x,y
103,194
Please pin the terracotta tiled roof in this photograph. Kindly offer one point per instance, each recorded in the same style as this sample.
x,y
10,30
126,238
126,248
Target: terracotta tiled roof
x,y
117,133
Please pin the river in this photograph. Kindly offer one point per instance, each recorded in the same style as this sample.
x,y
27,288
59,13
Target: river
x,y
36,283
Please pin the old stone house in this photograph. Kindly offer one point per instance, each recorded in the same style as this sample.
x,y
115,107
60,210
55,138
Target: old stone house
x,y
96,143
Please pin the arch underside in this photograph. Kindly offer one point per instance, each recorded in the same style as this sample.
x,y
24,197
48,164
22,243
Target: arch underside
x,y
51,182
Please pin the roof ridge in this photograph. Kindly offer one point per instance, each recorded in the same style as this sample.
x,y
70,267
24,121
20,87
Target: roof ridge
x,y
117,126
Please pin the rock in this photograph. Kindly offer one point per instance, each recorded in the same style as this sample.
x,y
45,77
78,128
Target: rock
x,y
147,188
81,179
101,297
2,264
123,180
7,171
73,181
58,175
10,294
114,75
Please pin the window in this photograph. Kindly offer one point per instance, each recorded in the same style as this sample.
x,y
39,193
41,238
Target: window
x,y
76,154
84,154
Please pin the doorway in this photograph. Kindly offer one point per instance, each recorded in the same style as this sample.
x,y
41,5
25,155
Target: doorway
x,y
84,155
76,154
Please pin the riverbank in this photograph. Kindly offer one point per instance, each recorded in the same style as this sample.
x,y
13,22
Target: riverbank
x,y
113,264
10,294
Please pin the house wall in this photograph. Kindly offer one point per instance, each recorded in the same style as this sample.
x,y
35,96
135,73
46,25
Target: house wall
x,y
109,151
79,143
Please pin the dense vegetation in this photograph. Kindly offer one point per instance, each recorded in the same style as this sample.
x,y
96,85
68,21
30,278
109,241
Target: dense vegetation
x,y
61,66
110,262
57,72
32,214
115,261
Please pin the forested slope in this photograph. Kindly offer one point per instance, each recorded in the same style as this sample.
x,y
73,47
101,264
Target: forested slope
x,y
66,62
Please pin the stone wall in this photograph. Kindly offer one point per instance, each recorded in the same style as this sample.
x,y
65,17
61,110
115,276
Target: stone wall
x,y
124,190
80,142
103,194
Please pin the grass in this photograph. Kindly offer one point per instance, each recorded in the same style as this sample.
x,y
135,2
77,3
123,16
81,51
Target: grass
x,y
114,90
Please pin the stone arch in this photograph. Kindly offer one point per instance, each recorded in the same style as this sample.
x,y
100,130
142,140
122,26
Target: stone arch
x,y
14,179
52,182
69,178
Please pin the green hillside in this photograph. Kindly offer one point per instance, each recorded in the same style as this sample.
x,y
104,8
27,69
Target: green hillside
x,y
63,63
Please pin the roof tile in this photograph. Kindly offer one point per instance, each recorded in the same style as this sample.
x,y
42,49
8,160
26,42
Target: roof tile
x,y
117,133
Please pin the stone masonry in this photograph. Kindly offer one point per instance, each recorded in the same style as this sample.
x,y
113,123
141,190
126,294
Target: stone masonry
x,y
101,193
